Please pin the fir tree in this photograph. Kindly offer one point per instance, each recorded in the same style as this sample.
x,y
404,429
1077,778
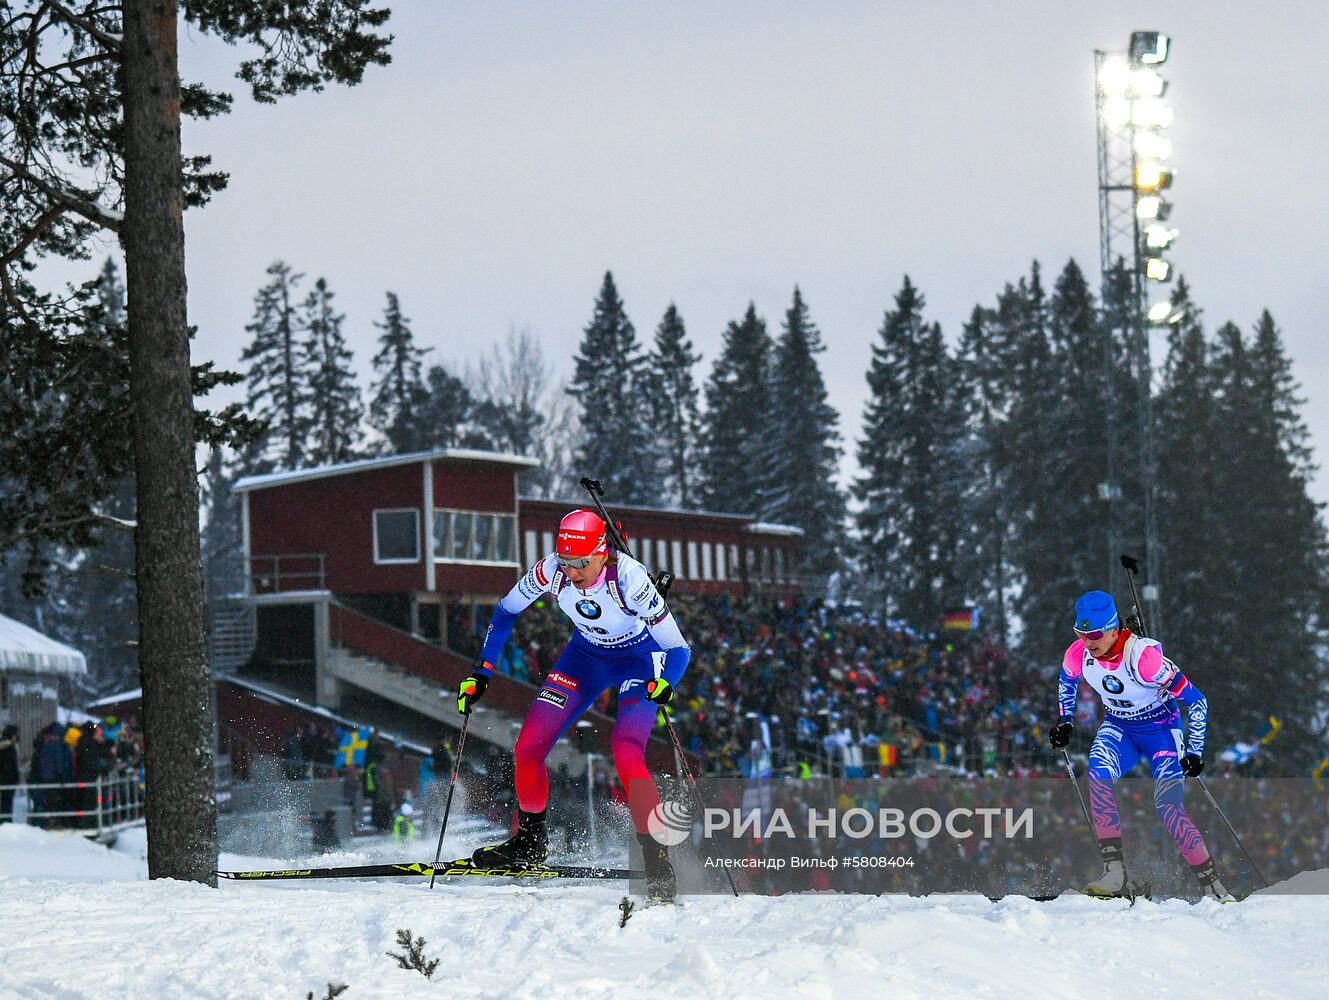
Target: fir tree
x,y
1273,547
738,417
617,446
910,487
673,399
446,410
982,548
399,395
804,460
278,378
333,398
1189,511
1062,543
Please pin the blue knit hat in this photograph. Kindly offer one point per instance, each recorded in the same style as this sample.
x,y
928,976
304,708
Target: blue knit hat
x,y
1094,610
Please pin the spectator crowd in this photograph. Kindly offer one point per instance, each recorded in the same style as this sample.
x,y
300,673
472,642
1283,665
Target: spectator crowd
x,y
808,688
72,756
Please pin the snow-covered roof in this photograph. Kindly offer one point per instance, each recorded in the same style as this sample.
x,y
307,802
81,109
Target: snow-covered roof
x,y
387,461
24,648
767,528
136,694
634,508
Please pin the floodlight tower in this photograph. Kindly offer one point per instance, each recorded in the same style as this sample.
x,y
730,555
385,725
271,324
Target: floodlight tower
x,y
1132,215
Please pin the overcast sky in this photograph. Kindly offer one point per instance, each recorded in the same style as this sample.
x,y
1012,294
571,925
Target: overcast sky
x,y
715,153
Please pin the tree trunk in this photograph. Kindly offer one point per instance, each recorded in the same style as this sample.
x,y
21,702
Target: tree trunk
x,y
181,809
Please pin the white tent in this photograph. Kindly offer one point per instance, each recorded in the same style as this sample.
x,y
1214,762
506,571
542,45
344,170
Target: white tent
x,y
27,650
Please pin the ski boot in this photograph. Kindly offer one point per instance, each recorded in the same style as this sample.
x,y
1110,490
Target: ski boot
x,y
1210,885
661,887
1112,883
528,846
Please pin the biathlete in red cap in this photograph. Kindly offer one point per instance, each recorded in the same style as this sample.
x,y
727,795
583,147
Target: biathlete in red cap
x,y
624,638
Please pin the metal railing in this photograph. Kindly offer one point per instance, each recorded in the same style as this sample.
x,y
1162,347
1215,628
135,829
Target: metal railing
x,y
89,807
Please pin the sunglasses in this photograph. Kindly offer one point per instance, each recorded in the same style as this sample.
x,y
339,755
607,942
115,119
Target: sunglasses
x,y
1095,635
569,563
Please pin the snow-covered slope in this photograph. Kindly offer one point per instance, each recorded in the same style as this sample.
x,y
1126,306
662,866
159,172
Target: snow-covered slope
x,y
82,923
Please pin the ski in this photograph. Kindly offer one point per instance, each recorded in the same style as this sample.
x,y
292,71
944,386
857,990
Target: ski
x,y
459,868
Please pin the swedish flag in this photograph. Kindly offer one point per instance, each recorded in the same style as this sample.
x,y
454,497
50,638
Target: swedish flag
x,y
352,746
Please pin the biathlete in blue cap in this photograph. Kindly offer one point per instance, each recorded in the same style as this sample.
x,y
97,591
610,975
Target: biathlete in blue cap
x,y
1140,688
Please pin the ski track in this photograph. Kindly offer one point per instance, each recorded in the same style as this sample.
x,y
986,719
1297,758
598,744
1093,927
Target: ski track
x,y
92,927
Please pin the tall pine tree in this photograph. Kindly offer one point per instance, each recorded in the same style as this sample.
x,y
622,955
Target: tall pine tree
x,y
1272,623
805,454
398,395
334,406
1062,544
739,412
278,379
617,445
984,524
1190,510
672,393
910,452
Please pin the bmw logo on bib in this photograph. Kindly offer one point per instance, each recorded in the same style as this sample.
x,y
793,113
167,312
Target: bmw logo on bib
x,y
588,609
1113,685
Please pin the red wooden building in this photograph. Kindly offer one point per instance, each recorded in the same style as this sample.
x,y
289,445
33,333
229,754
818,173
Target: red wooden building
x,y
371,581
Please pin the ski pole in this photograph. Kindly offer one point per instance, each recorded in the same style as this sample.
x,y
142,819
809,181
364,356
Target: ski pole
x,y
452,787
692,784
1249,860
1070,769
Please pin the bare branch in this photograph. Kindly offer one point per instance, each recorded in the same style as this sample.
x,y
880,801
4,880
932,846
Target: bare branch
x,y
105,520
38,228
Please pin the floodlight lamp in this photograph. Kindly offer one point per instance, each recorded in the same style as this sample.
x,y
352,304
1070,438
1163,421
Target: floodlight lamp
x,y
1116,112
1147,83
1150,175
1157,268
1153,145
1114,77
1158,237
1151,207
1159,312
1150,112
1149,48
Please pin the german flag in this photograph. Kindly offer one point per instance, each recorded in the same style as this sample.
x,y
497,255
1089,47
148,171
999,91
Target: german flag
x,y
960,620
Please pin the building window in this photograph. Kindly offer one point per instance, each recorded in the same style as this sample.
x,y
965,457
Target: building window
x,y
397,535
706,569
778,555
471,536
720,563
548,547
676,563
532,547
693,570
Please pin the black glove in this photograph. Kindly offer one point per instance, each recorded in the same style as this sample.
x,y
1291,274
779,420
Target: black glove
x,y
1191,765
471,690
659,691
1060,736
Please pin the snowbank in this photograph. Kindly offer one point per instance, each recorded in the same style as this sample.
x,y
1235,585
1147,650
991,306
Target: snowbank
x,y
89,926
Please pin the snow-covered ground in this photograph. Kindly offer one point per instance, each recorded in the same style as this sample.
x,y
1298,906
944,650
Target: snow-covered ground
x,y
81,921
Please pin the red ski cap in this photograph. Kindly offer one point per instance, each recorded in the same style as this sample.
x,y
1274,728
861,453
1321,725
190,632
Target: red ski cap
x,y
581,534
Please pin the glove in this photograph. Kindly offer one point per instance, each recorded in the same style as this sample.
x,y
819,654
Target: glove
x,y
472,690
659,690
1191,765
1060,736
